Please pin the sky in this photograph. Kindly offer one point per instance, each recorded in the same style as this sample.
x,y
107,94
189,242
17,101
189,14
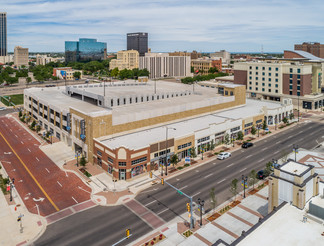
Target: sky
x,y
173,25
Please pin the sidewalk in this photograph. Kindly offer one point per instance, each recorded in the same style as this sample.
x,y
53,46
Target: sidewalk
x,y
12,232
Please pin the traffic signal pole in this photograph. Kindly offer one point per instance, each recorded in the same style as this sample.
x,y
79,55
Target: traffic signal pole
x,y
181,193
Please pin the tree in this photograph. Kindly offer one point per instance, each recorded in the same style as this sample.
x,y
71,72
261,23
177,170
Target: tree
x,y
213,70
267,169
212,196
291,116
253,130
240,135
233,187
227,140
285,120
38,128
252,178
33,124
174,160
193,153
20,114
77,75
114,73
83,161
212,145
264,126
28,80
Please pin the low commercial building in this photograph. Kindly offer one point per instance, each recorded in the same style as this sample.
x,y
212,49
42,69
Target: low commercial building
x,y
122,126
203,65
21,56
193,55
66,73
44,59
224,55
300,80
294,183
126,59
161,65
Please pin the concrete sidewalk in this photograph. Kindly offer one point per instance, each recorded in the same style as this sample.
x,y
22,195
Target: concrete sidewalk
x,y
12,232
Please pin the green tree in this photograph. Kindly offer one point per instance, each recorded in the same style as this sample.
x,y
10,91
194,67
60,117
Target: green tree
x,y
38,128
212,145
233,187
253,130
114,73
213,70
83,161
212,196
252,178
20,114
77,75
240,135
33,124
267,169
227,140
291,116
193,153
174,160
285,120
264,125
28,80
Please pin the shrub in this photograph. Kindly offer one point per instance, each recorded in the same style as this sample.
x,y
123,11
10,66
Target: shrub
x,y
216,153
186,165
221,151
179,168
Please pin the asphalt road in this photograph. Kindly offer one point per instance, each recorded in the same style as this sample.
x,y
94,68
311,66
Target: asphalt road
x,y
107,224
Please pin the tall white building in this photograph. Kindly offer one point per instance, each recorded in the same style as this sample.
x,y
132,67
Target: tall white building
x,y
223,54
162,65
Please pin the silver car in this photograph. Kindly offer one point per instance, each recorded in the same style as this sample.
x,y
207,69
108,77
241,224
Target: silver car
x,y
223,155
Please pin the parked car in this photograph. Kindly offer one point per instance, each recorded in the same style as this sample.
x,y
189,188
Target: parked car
x,y
2,108
223,155
247,145
260,174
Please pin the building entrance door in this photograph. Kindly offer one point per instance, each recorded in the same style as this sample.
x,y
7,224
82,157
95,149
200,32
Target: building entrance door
x,y
122,174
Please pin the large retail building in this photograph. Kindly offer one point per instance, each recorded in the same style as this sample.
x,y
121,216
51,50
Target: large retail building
x,y
127,128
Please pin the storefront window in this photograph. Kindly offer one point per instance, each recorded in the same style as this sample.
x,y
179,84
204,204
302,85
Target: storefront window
x,y
137,170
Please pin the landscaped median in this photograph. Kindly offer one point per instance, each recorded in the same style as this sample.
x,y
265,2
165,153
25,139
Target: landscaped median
x,y
12,100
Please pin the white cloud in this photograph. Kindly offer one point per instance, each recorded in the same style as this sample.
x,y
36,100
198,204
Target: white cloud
x,y
204,25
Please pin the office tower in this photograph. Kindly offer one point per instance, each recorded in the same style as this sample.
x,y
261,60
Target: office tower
x,y
21,56
3,34
85,49
138,41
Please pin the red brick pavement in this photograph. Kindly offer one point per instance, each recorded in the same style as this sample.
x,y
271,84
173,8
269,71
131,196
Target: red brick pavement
x,y
146,215
250,210
225,230
240,219
49,182
263,197
202,239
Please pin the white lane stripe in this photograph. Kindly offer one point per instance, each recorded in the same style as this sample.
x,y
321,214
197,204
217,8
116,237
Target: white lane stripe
x,y
221,181
28,149
16,136
37,159
59,183
278,142
196,194
163,211
22,142
243,169
47,170
183,187
149,203
74,200
276,152
230,165
301,139
265,148
290,136
208,175
10,130
248,156
261,160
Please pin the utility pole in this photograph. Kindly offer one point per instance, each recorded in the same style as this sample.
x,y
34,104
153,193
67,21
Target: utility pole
x,y
166,149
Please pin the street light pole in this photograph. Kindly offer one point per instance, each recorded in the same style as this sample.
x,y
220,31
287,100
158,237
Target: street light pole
x,y
295,148
166,149
244,180
201,204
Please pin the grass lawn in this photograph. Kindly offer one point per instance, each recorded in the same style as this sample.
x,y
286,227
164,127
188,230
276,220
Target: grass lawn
x,y
17,99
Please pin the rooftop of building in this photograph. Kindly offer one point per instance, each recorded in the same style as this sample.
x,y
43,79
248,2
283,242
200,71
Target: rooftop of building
x,y
306,55
143,138
286,227
294,168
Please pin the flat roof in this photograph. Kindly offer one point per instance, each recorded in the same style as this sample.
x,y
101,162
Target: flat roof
x,y
285,227
143,138
294,167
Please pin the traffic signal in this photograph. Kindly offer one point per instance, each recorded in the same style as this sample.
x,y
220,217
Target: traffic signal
x,y
188,207
127,233
151,175
162,181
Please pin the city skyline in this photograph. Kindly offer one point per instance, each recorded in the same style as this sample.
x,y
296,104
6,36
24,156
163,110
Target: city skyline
x,y
241,26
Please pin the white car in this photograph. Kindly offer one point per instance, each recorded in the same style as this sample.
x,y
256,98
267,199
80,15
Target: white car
x,y
3,108
223,155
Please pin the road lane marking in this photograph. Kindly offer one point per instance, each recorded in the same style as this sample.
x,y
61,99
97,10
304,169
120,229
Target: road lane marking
x,y
196,194
183,187
16,136
84,189
261,160
230,165
265,140
10,130
66,174
163,211
41,188
47,170
221,181
59,183
290,136
208,175
276,152
265,148
197,171
278,142
74,200
37,159
243,169
22,142
301,139
149,203
301,131
248,156
28,149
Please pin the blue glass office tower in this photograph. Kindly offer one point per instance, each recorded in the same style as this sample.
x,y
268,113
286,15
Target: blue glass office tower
x,y
85,49
3,34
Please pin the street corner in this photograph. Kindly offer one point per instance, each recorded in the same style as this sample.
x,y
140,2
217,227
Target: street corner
x,y
100,200
111,198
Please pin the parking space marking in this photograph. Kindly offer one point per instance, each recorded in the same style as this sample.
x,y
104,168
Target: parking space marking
x,y
47,170
16,136
59,183
22,142
37,159
74,200
28,149
10,130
